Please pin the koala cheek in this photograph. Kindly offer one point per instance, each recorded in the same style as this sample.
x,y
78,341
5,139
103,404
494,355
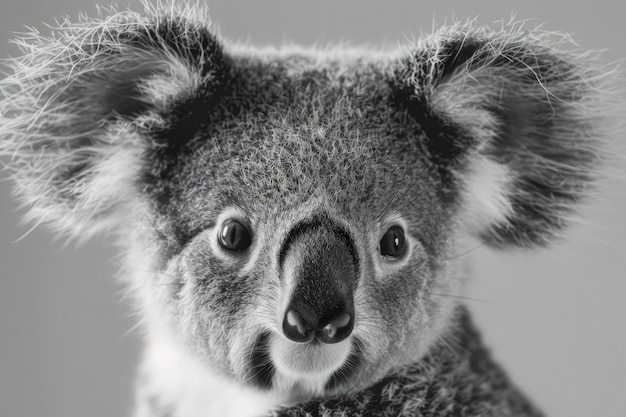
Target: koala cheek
x,y
392,309
222,308
212,297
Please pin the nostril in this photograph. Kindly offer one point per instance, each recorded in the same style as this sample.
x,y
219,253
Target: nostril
x,y
297,329
295,320
331,329
338,329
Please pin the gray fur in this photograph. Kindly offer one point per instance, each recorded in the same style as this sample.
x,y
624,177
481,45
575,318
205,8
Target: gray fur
x,y
458,379
149,127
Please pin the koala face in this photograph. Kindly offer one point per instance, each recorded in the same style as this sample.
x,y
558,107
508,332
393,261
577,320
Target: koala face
x,y
293,217
307,235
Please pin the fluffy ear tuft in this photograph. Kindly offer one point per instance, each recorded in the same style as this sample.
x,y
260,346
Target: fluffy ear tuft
x,y
522,125
75,111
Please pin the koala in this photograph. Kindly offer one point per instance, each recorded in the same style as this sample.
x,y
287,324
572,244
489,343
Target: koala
x,y
292,218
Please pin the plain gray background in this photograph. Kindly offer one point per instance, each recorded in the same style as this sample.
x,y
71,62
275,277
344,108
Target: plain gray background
x,y
556,319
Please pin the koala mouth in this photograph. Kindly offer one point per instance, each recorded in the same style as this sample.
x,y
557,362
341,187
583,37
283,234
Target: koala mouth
x,y
277,363
308,360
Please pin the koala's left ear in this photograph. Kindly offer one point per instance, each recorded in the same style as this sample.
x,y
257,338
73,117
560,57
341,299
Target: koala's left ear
x,y
514,120
86,105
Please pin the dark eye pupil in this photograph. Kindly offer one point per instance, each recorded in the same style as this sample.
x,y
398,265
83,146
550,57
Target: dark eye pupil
x,y
393,243
234,236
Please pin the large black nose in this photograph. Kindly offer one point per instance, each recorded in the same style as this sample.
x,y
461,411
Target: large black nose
x,y
320,258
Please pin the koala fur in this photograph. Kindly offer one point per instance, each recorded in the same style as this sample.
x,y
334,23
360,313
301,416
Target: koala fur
x,y
150,128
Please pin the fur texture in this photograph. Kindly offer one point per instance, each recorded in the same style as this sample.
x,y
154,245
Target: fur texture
x,y
149,127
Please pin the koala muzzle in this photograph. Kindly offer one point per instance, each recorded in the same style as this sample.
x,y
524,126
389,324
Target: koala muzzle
x,y
321,260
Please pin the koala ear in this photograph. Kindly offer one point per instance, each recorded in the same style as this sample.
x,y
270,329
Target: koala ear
x,y
80,111
514,121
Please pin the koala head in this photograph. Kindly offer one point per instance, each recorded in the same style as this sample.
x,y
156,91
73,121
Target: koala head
x,y
293,217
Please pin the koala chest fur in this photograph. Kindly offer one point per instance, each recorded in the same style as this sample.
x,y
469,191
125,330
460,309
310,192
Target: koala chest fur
x,y
293,218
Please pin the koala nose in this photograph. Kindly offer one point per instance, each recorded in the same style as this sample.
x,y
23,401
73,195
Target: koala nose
x,y
319,257
302,325
297,328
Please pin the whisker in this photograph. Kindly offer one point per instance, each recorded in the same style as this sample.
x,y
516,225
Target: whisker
x,y
462,254
461,297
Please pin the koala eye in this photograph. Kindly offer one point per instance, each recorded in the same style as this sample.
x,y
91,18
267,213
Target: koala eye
x,y
393,243
234,236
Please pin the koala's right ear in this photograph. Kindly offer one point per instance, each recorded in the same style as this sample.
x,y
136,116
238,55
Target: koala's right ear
x,y
75,112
